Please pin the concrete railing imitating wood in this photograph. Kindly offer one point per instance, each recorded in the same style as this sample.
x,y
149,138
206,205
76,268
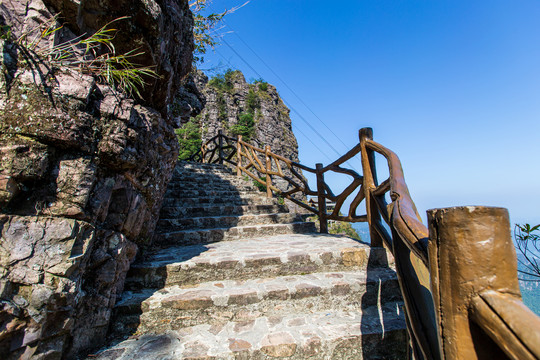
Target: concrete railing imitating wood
x,y
458,280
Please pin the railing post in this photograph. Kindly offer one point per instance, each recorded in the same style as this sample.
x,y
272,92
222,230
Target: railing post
x,y
321,190
239,156
220,150
470,251
203,153
268,169
370,183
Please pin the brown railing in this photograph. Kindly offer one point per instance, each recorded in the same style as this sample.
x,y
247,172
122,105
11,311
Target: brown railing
x,y
458,280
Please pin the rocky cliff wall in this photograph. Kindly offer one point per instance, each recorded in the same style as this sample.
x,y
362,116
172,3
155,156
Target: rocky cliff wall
x,y
230,97
83,169
225,104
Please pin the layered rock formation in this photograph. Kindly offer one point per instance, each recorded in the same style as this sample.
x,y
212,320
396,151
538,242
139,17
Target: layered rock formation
x,y
83,169
225,105
229,100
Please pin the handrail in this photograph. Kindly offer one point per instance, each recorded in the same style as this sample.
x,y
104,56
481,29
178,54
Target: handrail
x,y
439,305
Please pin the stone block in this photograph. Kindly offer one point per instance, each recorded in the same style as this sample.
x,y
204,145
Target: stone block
x,y
243,297
354,257
191,300
74,183
280,344
306,290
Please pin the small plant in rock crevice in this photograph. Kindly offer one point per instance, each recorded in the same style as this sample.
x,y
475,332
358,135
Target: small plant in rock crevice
x,y
89,54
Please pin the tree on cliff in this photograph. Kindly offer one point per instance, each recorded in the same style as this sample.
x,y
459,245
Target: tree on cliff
x,y
206,27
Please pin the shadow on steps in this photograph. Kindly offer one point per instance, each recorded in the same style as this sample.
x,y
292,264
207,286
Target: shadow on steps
x,y
203,204
378,341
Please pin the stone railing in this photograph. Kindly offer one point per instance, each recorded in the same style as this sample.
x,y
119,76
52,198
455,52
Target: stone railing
x,y
458,279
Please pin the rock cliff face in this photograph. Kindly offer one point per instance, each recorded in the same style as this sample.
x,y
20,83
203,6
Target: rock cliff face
x,y
229,99
225,104
83,169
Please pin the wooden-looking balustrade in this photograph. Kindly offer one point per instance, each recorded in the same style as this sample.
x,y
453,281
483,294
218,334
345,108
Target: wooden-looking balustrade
x,y
458,280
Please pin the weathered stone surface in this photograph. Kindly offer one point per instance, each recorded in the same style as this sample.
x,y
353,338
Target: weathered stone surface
x,y
158,29
293,296
280,344
236,345
353,257
83,169
222,109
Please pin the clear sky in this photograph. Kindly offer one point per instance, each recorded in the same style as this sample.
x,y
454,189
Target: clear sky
x,y
452,86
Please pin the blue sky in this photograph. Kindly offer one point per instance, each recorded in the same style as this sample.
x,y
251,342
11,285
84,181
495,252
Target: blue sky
x,y
453,87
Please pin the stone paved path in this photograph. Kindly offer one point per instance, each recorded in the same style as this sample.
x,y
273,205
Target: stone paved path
x,y
291,295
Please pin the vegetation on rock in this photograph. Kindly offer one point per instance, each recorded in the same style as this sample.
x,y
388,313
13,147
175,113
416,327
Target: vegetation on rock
x,y
224,82
337,227
261,84
90,54
189,138
244,126
342,228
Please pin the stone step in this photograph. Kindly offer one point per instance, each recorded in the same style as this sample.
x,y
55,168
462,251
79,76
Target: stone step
x,y
224,187
218,302
205,170
243,259
194,166
211,176
203,192
207,180
211,235
216,210
226,221
372,333
241,199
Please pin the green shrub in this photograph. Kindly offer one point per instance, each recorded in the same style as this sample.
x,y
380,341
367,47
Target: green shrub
x,y
261,84
245,126
260,186
189,138
224,81
252,102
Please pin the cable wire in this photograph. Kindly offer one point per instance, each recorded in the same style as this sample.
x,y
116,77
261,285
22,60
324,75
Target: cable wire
x,y
284,83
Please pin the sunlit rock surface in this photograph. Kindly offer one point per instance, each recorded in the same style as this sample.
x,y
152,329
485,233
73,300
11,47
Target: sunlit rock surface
x,y
83,169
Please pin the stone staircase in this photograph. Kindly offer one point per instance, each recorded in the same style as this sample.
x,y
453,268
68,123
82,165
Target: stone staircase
x,y
207,203
236,276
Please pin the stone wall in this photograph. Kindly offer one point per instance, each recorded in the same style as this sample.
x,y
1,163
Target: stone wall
x,y
83,170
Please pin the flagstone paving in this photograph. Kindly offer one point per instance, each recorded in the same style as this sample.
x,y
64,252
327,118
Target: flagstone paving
x,y
257,294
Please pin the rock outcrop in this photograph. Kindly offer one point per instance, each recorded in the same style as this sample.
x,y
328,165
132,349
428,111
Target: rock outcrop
x,y
229,100
83,169
224,106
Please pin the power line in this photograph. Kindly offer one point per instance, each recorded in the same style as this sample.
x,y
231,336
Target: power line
x,y
285,83
296,126
296,95
290,107
286,103
312,143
